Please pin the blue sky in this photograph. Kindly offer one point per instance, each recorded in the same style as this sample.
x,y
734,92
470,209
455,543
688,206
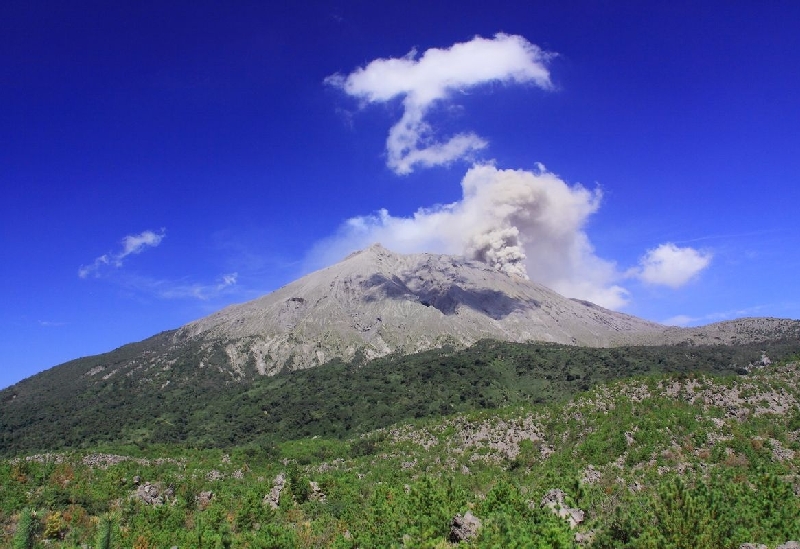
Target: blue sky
x,y
160,160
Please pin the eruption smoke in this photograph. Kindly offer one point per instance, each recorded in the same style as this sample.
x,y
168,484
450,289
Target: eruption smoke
x,y
499,248
523,223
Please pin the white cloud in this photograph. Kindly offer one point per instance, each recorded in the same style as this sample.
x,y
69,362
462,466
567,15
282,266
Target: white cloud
x,y
131,245
50,323
228,280
686,320
433,78
524,223
681,320
172,290
670,265
134,244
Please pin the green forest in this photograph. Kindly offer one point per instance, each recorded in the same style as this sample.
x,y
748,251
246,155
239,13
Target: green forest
x,y
648,447
200,408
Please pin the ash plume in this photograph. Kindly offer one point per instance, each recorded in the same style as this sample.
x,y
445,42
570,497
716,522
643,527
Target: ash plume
x,y
499,248
523,223
527,223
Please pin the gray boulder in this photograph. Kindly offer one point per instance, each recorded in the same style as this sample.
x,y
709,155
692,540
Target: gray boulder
x,y
464,528
154,494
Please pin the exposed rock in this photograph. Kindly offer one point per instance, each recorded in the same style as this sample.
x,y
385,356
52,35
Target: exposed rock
x,y
316,492
376,302
274,496
214,475
203,499
591,475
789,545
556,501
154,494
583,538
464,528
753,546
104,461
779,452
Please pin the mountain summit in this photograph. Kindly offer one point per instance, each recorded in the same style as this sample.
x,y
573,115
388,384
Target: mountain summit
x,y
376,302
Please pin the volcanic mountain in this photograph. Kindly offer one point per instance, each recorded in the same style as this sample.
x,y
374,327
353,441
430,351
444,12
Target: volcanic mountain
x,y
376,302
214,381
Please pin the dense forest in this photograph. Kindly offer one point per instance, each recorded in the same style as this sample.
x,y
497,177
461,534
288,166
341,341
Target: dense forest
x,y
201,408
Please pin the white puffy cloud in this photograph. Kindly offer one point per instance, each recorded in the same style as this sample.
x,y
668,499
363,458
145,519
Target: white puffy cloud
x,y
524,223
131,245
432,79
670,265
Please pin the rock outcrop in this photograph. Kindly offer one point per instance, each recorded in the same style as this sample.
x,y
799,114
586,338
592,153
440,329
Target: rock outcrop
x,y
274,497
464,527
154,494
555,500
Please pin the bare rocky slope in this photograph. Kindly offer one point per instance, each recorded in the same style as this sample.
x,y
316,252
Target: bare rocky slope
x,y
376,302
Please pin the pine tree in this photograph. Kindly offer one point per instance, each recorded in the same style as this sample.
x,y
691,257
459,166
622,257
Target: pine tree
x,y
104,533
26,530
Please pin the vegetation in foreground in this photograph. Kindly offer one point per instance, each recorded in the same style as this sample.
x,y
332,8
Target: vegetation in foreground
x,y
677,460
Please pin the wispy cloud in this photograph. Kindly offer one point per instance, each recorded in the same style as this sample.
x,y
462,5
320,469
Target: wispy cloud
x,y
432,79
687,320
172,290
51,324
225,285
130,245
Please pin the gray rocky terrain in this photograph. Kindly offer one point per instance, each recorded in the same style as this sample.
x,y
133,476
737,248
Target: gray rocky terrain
x,y
376,302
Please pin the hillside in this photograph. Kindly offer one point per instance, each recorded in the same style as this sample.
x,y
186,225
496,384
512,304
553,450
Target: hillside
x,y
226,377
70,407
662,461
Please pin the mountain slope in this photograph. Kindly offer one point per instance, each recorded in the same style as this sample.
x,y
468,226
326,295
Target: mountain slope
x,y
376,302
178,385
62,408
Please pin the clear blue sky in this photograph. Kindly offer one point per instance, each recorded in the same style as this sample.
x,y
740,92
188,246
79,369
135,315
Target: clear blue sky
x,y
160,160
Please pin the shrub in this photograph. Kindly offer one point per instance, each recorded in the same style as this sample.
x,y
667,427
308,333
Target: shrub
x,y
26,530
